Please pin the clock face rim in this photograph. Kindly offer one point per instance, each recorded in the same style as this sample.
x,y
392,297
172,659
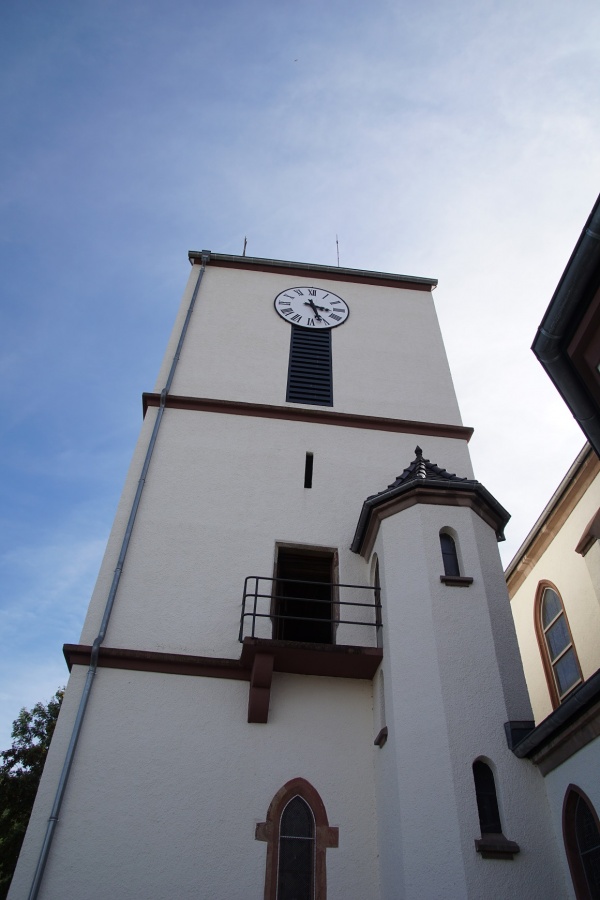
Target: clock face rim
x,y
306,287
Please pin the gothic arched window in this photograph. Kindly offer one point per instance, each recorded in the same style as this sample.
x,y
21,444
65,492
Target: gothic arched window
x,y
297,834
296,868
556,644
581,832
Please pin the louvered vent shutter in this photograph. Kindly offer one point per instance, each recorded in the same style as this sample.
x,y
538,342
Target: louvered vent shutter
x,y
309,373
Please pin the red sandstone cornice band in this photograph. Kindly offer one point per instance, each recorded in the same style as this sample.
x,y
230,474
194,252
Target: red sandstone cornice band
x,y
317,416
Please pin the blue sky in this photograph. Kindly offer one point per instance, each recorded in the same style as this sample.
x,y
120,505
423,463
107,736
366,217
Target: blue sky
x,y
453,140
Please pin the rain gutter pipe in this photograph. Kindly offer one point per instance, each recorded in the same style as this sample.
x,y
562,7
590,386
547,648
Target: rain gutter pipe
x,y
64,775
577,285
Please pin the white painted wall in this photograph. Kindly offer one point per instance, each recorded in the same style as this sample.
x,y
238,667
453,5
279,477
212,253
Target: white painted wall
x,y
170,780
580,770
221,491
454,683
574,576
388,357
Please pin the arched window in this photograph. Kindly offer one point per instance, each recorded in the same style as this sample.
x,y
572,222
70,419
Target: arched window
x,y
449,554
296,868
581,832
297,834
487,802
492,844
556,644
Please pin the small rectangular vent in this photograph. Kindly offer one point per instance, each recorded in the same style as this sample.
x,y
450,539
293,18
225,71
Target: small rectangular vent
x,y
309,373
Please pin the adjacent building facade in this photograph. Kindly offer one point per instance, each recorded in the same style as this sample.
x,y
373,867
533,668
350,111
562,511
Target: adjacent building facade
x,y
554,586
299,669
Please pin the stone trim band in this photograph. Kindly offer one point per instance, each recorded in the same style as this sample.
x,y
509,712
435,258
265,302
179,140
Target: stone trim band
x,y
300,414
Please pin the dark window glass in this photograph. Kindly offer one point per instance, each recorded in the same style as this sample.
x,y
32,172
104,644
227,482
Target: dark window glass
x,y
551,606
310,378
558,637
588,845
296,852
487,802
449,554
559,644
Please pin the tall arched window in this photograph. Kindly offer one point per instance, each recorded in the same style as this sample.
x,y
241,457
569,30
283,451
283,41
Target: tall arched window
x,y
559,657
449,554
492,844
487,802
297,834
581,832
296,868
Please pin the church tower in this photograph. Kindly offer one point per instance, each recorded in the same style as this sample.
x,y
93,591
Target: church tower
x,y
298,661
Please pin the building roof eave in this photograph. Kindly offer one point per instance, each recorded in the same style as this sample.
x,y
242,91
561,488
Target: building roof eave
x,y
335,273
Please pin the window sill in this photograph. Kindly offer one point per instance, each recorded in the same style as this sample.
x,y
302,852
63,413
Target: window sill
x,y
496,846
456,580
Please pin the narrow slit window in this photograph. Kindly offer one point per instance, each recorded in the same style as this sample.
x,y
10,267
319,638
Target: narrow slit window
x,y
492,844
308,470
487,802
449,554
309,373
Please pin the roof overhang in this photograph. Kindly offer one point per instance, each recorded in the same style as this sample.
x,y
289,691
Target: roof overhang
x,y
332,273
573,725
440,492
558,509
567,342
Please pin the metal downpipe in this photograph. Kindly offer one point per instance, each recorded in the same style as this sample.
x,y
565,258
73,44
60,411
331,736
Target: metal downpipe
x,y
64,776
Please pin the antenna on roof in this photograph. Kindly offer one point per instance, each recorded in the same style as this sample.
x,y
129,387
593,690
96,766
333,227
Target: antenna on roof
x,y
245,243
337,247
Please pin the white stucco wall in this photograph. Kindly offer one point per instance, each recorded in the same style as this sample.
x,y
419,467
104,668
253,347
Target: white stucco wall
x,y
581,770
454,685
221,491
170,780
388,357
573,575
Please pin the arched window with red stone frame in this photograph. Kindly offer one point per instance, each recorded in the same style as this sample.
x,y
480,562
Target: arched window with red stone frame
x,y
559,657
297,834
581,833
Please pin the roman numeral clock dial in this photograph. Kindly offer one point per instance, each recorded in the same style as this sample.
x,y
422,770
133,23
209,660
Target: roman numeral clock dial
x,y
310,307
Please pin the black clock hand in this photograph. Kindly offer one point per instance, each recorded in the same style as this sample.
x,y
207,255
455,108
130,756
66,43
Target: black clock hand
x,y
314,308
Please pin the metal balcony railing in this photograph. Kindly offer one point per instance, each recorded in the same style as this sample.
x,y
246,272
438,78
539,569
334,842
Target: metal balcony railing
x,y
320,612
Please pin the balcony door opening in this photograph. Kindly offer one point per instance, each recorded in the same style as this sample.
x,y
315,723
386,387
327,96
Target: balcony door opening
x,y
303,602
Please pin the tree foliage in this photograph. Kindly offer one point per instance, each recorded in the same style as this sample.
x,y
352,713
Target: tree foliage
x,y
20,771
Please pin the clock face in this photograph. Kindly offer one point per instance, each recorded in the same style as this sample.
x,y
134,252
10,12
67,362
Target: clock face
x,y
311,307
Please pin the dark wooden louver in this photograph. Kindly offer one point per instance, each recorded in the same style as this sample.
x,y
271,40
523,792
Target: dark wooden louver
x,y
309,373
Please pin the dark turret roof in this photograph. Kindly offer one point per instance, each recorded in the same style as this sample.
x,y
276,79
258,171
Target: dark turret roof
x,y
420,468
424,481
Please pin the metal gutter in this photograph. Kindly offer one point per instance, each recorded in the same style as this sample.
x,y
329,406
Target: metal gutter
x,y
578,281
66,769
569,711
334,272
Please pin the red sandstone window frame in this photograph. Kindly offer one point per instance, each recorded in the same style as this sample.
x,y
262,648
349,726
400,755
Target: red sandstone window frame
x,y
578,876
540,634
269,831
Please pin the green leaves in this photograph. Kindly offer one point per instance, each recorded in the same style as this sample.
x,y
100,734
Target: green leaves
x,y
20,772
